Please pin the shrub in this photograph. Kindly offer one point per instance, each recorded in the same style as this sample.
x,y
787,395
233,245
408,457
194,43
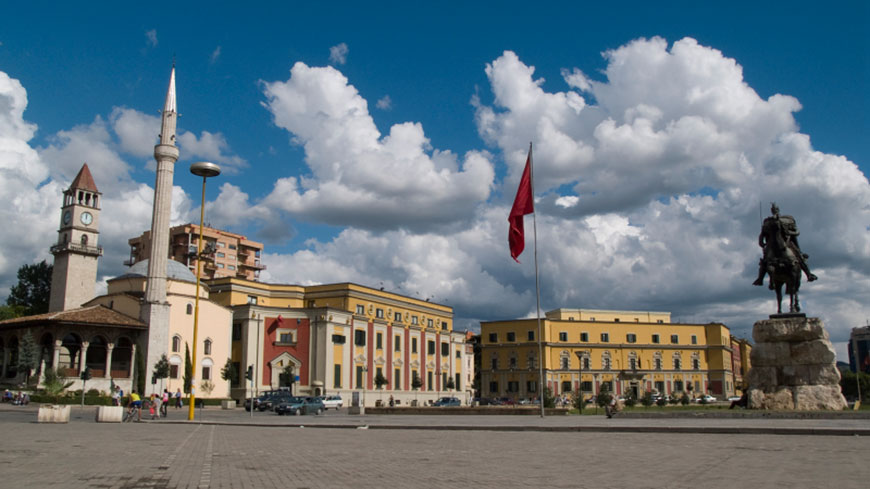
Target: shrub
x,y
647,399
685,399
604,399
662,401
577,401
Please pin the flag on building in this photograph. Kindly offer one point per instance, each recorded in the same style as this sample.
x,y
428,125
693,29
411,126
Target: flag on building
x,y
524,203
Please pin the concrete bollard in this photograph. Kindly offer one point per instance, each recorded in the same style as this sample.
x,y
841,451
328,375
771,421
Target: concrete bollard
x,y
53,413
110,414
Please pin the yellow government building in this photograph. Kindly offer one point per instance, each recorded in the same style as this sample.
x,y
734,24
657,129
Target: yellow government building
x,y
621,351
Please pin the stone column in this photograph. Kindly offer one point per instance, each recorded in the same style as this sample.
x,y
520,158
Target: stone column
x,y
108,371
3,361
55,354
132,360
83,354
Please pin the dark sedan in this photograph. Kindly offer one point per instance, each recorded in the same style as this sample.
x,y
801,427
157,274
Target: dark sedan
x,y
299,406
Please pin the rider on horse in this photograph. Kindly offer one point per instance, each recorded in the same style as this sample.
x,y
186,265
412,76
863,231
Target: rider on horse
x,y
778,237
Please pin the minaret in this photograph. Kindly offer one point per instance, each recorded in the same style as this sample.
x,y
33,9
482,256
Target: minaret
x,y
155,311
74,276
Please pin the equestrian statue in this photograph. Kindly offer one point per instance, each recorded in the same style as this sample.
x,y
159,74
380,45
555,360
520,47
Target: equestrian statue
x,y
783,259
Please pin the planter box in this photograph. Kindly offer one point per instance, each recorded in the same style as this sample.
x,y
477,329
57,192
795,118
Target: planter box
x,y
228,404
110,414
53,413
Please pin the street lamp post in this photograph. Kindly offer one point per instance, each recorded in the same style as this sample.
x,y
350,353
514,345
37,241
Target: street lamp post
x,y
205,170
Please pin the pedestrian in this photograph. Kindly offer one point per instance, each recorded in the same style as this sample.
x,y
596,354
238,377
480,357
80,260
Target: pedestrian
x,y
154,406
165,404
392,401
178,403
116,396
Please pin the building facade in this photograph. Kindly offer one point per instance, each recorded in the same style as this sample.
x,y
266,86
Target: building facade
x,y
341,339
233,255
740,364
623,352
859,349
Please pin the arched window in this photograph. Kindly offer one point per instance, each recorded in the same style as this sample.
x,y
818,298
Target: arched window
x,y
207,347
605,361
84,240
189,309
176,344
677,361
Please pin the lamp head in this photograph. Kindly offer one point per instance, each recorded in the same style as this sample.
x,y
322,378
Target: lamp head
x,y
205,169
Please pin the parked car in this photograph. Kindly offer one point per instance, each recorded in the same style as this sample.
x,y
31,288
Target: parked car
x,y
734,398
300,405
334,402
705,399
447,401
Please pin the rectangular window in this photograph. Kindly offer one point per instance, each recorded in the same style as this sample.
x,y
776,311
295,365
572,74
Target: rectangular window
x,y
458,353
220,244
675,339
660,386
379,313
286,338
220,265
655,338
605,337
444,325
584,337
359,377
563,336
429,384
445,349
413,345
494,363
531,386
359,337
694,340
252,299
456,384
232,247
586,386
236,376
444,380
220,255
631,338
511,336
513,386
414,320
429,323
397,317
566,386
660,321
338,339
379,341
336,376
430,347
361,309
397,379
173,371
379,372
493,337
398,344
531,335
493,387
678,385
206,373
512,362
237,331
231,267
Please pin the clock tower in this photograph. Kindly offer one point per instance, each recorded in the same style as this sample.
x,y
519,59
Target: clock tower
x,y
74,277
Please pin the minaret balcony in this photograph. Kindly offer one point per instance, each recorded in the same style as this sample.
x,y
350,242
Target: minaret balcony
x,y
77,248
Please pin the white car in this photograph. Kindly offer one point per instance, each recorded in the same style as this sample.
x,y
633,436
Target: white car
x,y
334,402
706,399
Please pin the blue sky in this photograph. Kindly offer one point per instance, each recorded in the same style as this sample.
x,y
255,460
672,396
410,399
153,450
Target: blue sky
x,y
691,91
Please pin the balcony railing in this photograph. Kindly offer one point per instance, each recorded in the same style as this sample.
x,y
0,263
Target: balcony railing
x,y
255,266
80,248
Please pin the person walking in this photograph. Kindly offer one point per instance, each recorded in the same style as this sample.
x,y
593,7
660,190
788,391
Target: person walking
x,y
178,403
165,404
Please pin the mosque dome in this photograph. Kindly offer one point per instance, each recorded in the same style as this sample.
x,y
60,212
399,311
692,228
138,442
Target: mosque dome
x,y
174,271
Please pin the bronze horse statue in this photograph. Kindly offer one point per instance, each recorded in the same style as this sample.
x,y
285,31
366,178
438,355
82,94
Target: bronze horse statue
x,y
783,260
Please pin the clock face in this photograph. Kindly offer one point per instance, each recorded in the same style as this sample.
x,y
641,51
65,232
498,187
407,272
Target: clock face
x,y
67,217
87,218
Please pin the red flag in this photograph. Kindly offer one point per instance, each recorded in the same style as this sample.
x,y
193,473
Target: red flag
x,y
524,204
280,320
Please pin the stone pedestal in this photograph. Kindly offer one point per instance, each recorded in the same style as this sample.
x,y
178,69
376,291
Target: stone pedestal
x,y
109,414
228,404
793,366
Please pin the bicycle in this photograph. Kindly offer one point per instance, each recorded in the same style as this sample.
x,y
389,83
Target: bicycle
x,y
132,412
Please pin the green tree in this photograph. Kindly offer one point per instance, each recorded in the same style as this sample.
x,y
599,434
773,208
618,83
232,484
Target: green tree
x,y
416,383
549,399
577,400
849,385
647,399
28,355
188,369
380,380
33,289
229,374
11,312
161,370
139,372
450,385
287,376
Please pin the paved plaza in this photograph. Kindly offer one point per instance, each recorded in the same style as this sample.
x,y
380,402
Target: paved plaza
x,y
229,449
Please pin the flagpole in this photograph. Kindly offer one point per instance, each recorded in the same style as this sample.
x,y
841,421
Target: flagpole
x,y
537,285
